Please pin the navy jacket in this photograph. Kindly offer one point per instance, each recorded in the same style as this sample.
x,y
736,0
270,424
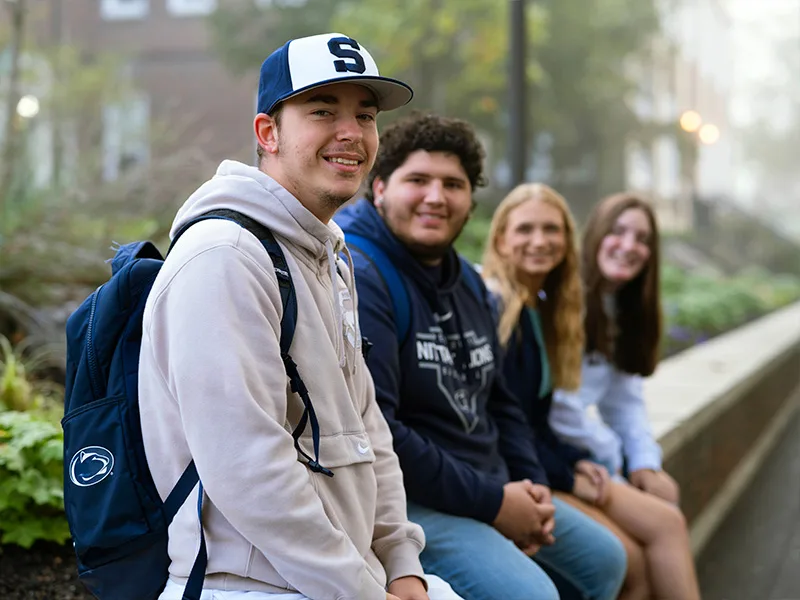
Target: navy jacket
x,y
522,367
459,433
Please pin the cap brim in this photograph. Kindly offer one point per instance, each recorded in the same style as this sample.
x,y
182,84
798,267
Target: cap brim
x,y
390,93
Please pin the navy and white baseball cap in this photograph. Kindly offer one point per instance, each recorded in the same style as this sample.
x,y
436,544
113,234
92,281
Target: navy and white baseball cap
x,y
311,62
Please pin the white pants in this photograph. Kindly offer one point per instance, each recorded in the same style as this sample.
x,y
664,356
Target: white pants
x,y
438,589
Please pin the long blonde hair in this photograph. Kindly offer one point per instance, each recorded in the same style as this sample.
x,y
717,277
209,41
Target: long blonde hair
x,y
562,311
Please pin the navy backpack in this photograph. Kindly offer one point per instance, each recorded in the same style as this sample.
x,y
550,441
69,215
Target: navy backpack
x,y
116,518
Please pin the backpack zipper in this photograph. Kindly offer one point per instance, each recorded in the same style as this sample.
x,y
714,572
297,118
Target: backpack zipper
x,y
94,374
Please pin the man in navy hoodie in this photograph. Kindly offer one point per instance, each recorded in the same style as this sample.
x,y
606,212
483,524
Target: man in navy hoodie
x,y
470,469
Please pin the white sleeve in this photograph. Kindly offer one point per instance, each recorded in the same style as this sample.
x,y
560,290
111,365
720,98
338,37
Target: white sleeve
x,y
624,410
571,421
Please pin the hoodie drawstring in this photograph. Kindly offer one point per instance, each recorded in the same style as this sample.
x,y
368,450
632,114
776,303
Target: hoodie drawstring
x,y
462,353
352,290
337,307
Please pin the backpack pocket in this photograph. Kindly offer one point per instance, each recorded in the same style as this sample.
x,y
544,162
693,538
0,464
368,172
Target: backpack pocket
x,y
100,493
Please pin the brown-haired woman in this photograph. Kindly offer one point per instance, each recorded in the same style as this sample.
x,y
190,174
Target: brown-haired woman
x,y
531,263
623,331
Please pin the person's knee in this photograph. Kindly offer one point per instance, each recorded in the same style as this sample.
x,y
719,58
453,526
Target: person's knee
x,y
676,518
608,570
545,590
670,520
483,565
614,566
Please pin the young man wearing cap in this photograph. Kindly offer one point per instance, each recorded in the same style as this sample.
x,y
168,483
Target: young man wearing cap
x,y
472,473
212,381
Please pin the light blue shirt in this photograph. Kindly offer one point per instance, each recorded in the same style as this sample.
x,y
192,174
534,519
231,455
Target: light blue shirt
x,y
620,428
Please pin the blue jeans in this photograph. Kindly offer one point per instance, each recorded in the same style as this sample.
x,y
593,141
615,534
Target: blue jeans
x,y
481,564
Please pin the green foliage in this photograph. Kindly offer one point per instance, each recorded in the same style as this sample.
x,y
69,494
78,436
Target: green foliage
x,y
17,390
31,479
580,101
54,237
699,307
584,65
473,238
31,447
242,30
454,53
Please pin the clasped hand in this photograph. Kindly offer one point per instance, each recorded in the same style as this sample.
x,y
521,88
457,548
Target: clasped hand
x,y
592,483
527,515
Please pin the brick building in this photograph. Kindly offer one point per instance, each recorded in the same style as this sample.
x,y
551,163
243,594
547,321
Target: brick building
x,y
184,97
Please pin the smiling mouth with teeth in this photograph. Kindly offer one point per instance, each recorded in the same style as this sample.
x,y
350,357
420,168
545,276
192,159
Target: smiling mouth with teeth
x,y
344,161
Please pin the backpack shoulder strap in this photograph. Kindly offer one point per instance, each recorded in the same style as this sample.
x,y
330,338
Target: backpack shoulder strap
x,y
475,284
401,303
267,239
288,323
473,279
284,276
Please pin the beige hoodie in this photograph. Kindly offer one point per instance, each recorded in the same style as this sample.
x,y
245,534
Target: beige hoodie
x,y
213,388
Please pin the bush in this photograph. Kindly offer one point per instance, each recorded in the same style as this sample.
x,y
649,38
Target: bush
x,y
31,479
473,238
31,454
699,307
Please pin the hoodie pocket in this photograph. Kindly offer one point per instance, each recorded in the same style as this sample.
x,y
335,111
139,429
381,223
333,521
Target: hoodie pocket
x,y
349,497
339,450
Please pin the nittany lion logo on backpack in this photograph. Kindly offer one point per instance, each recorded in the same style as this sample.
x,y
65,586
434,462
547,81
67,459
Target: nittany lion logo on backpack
x,y
90,466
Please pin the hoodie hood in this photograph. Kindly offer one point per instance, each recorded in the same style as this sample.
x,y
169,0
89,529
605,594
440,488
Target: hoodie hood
x,y
246,189
361,218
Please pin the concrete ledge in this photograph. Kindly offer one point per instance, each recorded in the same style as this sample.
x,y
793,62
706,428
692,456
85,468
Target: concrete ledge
x,y
713,515
717,409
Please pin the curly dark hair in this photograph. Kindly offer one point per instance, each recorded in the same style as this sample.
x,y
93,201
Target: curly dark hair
x,y
432,133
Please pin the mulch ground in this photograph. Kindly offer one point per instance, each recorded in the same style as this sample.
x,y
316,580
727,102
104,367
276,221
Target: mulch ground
x,y
45,572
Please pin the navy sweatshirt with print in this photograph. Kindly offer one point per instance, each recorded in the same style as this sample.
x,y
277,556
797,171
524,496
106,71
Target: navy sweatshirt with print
x,y
458,431
522,367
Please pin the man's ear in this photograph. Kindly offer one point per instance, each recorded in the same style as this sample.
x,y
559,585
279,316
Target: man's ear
x,y
266,129
378,189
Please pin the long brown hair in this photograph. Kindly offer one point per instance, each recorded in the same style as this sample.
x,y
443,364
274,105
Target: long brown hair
x,y
638,326
562,311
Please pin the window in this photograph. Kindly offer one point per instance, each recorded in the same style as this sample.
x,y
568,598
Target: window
x,y
280,3
118,10
191,8
639,166
41,165
70,149
126,136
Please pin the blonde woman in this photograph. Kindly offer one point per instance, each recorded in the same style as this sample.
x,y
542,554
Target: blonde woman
x,y
531,263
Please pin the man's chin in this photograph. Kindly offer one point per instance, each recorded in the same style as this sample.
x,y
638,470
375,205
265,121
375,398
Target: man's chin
x,y
340,197
429,252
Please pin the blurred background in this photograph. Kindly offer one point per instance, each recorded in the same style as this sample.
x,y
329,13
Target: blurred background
x,y
113,111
